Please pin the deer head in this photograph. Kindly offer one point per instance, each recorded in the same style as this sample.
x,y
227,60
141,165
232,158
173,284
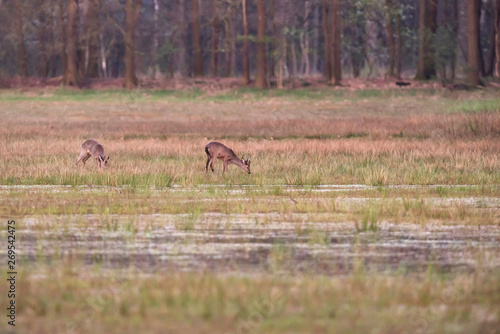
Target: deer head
x,y
104,161
247,164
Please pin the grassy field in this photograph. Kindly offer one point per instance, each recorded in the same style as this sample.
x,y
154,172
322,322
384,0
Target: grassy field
x,y
367,211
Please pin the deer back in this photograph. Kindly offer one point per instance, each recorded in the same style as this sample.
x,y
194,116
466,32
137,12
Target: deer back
x,y
93,147
220,151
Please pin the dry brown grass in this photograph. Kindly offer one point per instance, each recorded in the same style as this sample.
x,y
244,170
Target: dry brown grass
x,y
406,139
437,127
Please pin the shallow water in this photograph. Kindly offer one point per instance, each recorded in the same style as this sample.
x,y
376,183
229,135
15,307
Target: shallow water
x,y
255,243
236,189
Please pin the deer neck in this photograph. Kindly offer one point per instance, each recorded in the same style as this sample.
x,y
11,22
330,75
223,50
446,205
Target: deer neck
x,y
235,160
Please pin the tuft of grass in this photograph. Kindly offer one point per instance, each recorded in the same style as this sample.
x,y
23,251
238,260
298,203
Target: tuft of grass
x,y
264,304
478,106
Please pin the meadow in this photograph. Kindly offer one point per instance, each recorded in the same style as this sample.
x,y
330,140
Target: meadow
x,y
367,211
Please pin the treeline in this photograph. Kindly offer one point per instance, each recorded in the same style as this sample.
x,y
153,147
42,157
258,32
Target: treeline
x,y
254,39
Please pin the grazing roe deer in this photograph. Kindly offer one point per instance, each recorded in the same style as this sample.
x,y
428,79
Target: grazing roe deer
x,y
216,150
92,148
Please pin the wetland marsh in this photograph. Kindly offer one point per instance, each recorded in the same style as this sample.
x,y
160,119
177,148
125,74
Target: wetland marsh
x,y
363,214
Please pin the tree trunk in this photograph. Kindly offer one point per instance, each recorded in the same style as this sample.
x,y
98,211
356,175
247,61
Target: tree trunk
x,y
426,68
42,31
305,52
51,68
399,45
421,41
336,47
180,42
92,25
497,38
274,45
389,4
21,48
102,51
327,40
472,43
453,63
229,40
314,65
72,77
246,56
261,78
198,56
214,62
482,69
154,56
293,55
490,6
63,40
132,11
281,22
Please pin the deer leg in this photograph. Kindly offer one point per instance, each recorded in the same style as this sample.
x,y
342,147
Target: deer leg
x,y
208,162
83,154
86,158
224,168
212,165
78,160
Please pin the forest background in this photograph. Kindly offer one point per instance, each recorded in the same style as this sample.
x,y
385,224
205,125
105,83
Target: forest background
x,y
265,43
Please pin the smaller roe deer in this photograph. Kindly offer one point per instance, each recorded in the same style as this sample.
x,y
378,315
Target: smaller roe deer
x,y
219,151
92,148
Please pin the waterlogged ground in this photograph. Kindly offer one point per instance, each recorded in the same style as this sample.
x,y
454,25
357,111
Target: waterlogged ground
x,y
392,224
273,242
259,243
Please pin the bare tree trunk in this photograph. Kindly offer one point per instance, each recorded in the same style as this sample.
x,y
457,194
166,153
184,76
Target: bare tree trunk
x,y
426,67
490,6
281,21
154,56
214,63
132,11
294,59
261,78
336,47
179,41
246,56
229,40
472,42
171,60
51,68
72,77
455,32
327,42
314,65
42,64
92,26
198,56
389,4
497,38
421,41
102,49
305,52
399,45
63,40
274,45
482,69
21,48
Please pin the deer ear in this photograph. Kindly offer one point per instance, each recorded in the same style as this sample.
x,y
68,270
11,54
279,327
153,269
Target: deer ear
x,y
107,158
100,159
